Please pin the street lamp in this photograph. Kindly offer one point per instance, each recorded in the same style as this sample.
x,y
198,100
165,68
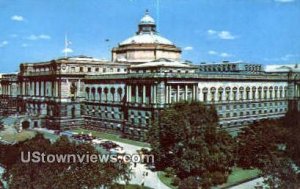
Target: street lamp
x,y
198,181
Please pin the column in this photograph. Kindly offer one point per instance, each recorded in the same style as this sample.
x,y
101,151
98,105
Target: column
x,y
144,94
23,88
78,89
9,89
129,92
154,91
170,94
42,88
185,92
37,88
194,98
56,88
136,93
167,94
177,94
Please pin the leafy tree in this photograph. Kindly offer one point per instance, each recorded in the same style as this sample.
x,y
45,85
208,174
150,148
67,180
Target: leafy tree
x,y
1,185
292,123
186,138
60,175
257,142
1,124
189,183
280,173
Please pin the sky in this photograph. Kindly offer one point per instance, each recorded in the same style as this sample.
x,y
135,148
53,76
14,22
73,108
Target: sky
x,y
256,31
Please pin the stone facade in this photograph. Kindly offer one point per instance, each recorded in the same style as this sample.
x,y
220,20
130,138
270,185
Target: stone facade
x,y
145,76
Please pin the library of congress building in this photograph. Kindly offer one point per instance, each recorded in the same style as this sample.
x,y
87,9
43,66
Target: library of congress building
x,y
145,75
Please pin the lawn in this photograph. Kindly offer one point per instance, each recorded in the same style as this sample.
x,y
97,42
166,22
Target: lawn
x,y
113,137
166,180
130,186
17,137
239,175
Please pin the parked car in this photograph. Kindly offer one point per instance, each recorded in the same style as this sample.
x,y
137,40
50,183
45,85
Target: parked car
x,y
97,141
108,145
117,150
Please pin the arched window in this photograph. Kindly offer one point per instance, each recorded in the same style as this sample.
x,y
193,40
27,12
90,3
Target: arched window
x,y
99,90
87,92
285,92
265,92
241,89
93,94
271,92
205,91
220,93
213,93
227,90
120,90
234,91
276,92
106,93
248,93
260,93
253,93
280,92
113,91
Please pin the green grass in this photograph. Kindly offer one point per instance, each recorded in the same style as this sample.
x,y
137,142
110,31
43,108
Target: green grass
x,y
113,137
130,186
166,180
17,137
239,175
49,136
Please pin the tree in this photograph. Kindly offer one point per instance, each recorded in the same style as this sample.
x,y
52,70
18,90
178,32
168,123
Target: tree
x,y
58,174
189,183
292,124
1,124
186,137
263,145
280,173
257,142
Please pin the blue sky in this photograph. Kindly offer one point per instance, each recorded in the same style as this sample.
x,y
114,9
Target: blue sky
x,y
258,31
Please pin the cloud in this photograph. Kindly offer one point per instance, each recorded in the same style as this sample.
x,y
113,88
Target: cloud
x,y
287,57
17,18
221,54
13,35
3,43
212,52
225,35
37,37
188,48
211,32
221,34
67,50
284,1
225,55
24,45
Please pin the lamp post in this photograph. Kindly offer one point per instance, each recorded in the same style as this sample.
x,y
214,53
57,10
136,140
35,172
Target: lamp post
x,y
198,182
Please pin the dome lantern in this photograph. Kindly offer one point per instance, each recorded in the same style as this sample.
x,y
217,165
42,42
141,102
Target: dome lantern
x,y
147,24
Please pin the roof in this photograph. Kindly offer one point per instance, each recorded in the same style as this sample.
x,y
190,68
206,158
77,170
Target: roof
x,y
147,19
163,62
283,68
146,38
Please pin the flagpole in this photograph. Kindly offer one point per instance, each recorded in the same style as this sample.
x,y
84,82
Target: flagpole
x,y
66,46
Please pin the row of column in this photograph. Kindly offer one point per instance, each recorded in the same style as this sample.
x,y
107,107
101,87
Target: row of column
x,y
40,88
161,93
241,95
